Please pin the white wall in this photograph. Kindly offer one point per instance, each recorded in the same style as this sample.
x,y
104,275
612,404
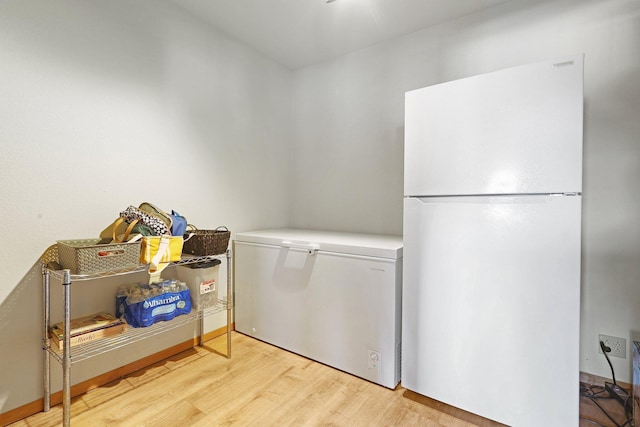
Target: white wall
x,y
348,136
348,145
109,103
97,96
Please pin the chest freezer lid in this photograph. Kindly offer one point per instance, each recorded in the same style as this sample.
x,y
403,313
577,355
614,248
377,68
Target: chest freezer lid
x,y
373,245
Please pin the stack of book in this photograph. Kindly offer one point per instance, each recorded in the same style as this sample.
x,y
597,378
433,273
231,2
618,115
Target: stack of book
x,y
87,329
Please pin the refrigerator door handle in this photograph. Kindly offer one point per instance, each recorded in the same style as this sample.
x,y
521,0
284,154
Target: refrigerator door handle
x,y
311,248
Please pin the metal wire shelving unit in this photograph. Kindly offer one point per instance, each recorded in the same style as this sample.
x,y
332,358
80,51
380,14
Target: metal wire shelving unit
x,y
71,355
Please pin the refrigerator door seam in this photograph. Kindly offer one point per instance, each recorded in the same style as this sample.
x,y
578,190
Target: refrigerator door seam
x,y
570,194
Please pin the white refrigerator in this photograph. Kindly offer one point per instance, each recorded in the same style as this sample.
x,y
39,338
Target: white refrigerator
x,y
492,243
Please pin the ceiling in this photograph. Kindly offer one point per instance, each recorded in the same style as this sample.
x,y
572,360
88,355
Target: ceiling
x,y
297,33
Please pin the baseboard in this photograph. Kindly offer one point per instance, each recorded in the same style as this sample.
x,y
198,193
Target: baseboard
x,y
598,380
32,408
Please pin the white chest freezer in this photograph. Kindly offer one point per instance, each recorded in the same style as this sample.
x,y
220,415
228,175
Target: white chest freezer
x,y
332,297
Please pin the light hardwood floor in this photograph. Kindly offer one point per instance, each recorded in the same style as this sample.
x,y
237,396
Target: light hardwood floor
x,y
260,385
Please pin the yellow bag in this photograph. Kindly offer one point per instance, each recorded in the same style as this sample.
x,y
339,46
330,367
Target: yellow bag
x,y
158,251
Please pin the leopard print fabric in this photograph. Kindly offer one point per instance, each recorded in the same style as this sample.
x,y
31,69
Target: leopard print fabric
x,y
158,226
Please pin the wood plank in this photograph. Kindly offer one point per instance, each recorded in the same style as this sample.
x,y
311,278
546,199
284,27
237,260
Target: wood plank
x,y
261,385
53,418
106,393
37,406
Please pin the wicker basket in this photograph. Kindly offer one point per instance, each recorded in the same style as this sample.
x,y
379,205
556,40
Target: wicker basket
x,y
50,255
206,242
87,257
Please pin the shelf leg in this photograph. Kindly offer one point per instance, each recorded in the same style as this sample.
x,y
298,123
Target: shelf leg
x,y
229,303
46,313
201,329
66,351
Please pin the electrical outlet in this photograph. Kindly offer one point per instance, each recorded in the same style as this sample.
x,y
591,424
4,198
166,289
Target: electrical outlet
x,y
617,345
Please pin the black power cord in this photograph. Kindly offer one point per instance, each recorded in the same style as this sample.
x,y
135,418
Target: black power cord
x,y
613,392
595,393
606,350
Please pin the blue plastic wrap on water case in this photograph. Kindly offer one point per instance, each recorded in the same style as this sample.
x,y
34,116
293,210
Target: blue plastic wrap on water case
x,y
160,307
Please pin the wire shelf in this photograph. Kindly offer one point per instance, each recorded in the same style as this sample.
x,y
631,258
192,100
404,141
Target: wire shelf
x,y
100,346
186,259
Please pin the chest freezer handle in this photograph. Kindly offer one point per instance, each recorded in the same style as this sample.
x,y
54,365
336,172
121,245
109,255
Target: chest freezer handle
x,y
311,248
